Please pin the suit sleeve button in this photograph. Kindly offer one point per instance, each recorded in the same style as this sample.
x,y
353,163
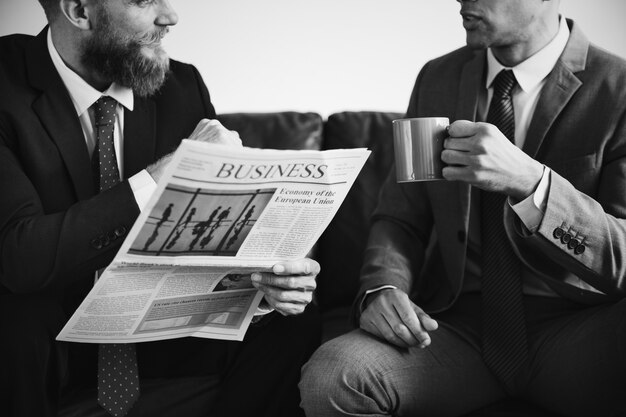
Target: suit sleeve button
x,y
558,232
96,243
120,231
573,243
566,238
579,249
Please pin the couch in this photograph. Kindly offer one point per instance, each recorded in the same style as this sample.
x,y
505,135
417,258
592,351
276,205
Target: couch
x,y
339,250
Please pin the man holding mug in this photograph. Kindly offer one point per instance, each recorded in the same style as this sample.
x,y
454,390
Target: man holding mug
x,y
507,279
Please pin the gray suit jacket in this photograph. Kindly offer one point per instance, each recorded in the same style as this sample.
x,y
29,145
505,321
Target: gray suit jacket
x,y
419,237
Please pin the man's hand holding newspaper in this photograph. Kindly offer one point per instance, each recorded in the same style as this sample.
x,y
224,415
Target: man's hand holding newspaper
x,y
289,288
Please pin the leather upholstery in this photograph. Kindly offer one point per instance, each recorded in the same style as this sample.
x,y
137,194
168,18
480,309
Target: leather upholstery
x,y
283,130
340,248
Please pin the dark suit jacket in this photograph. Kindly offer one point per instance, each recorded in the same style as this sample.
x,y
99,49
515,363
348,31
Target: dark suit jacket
x,y
55,231
578,130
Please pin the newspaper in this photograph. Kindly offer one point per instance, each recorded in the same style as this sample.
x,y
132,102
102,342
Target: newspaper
x,y
219,214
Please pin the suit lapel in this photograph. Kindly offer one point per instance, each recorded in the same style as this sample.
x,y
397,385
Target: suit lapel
x,y
57,114
467,106
560,86
456,217
139,136
472,77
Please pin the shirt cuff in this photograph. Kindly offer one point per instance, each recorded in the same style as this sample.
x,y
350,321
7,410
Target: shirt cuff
x,y
373,290
142,184
532,208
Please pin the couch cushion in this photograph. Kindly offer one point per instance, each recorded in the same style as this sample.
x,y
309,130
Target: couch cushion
x,y
282,130
340,248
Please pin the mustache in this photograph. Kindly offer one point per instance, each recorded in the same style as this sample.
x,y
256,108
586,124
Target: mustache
x,y
152,37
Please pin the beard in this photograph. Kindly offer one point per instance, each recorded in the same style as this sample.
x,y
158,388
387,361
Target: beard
x,y
118,57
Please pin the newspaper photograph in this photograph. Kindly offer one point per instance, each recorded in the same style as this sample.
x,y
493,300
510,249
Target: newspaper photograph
x,y
219,214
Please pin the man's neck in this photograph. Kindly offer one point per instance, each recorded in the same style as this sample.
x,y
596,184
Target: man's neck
x,y
69,49
512,55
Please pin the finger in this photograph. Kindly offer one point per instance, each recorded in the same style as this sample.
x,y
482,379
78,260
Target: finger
x,y
462,129
397,314
410,320
409,336
397,332
458,173
284,296
406,312
451,157
457,144
287,309
282,305
428,322
378,326
237,138
303,266
297,283
212,131
198,128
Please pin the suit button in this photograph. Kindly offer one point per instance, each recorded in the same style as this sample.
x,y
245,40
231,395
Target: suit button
x,y
461,236
112,236
558,232
566,238
105,240
579,249
96,243
120,231
573,243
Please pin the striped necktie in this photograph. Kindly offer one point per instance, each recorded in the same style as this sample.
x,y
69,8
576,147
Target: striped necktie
x,y
505,346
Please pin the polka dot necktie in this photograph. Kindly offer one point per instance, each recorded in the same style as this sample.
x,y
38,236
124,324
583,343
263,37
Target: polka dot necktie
x,y
505,346
118,377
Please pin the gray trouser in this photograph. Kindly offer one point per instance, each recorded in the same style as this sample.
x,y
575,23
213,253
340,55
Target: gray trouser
x,y
577,366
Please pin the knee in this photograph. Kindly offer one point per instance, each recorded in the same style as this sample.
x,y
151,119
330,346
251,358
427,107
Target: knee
x,y
341,375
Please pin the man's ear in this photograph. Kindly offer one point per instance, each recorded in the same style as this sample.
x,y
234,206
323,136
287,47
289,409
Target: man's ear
x,y
77,13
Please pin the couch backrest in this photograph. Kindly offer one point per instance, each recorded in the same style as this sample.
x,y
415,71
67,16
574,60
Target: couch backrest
x,y
281,130
340,248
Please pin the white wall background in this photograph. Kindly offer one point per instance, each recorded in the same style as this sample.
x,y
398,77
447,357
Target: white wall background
x,y
321,55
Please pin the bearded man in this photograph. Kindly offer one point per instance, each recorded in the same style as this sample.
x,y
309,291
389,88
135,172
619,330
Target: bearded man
x,y
62,219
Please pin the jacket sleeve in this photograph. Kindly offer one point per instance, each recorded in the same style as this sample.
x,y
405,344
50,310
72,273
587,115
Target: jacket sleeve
x,y
401,226
581,240
41,250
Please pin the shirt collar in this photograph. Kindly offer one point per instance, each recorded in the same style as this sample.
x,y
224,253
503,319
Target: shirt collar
x,y
84,95
533,70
